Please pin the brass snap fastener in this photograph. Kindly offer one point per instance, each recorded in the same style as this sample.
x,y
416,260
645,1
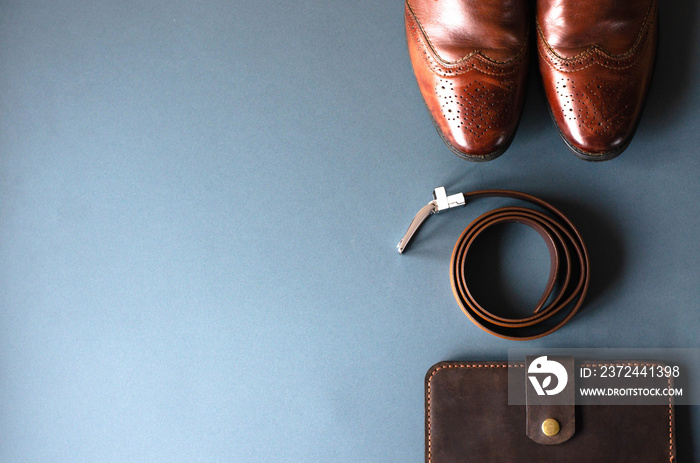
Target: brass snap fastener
x,y
550,427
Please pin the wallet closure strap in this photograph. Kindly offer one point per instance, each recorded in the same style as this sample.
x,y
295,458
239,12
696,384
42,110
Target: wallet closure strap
x,y
550,399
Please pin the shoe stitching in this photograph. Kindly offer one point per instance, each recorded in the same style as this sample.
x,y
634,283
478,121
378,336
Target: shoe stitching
x,y
474,60
476,53
561,120
559,64
503,71
590,61
597,49
594,52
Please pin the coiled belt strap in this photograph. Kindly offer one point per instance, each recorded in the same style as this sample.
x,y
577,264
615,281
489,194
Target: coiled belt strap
x,y
569,270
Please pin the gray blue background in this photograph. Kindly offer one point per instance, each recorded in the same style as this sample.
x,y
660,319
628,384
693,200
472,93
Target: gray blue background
x,y
199,207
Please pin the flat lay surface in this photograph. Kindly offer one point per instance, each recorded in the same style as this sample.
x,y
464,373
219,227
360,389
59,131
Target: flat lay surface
x,y
199,210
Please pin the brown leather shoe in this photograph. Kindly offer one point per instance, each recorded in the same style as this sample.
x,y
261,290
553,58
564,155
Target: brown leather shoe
x,y
470,60
596,59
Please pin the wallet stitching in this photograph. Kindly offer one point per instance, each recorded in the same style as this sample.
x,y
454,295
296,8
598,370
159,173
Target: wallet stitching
x,y
457,365
516,365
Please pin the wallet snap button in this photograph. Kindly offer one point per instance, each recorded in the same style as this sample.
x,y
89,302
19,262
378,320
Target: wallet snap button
x,y
550,427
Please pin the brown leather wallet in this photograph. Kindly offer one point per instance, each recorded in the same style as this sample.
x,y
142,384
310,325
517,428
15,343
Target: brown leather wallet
x,y
468,419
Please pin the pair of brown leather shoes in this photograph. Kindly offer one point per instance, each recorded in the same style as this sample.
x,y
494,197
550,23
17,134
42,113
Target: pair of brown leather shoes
x,y
470,58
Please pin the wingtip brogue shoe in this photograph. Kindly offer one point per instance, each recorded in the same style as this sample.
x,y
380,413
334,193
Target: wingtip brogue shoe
x,y
470,61
596,59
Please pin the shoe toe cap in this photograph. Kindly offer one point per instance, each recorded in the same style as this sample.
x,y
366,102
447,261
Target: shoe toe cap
x,y
596,115
475,114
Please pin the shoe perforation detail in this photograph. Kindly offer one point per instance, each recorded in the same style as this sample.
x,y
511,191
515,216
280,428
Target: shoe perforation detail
x,y
477,107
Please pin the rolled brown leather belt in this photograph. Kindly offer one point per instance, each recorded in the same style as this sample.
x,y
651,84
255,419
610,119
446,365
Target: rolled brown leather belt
x,y
569,270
